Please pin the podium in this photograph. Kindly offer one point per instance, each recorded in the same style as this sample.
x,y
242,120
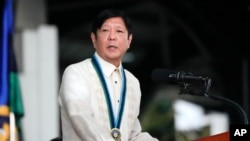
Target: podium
x,y
218,137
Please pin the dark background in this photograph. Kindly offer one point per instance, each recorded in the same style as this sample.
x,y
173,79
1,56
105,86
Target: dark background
x,y
207,37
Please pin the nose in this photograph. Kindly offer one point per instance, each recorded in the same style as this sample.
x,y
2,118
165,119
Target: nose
x,y
112,35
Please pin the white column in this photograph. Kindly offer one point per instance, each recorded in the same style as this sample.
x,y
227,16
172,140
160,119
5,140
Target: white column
x,y
39,83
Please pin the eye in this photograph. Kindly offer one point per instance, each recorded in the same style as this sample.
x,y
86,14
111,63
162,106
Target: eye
x,y
104,30
120,31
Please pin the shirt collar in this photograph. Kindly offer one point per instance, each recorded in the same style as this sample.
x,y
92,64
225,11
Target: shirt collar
x,y
107,68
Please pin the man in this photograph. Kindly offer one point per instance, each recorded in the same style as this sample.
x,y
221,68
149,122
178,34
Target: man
x,y
99,99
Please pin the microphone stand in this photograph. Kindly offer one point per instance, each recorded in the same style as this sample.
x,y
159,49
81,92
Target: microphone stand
x,y
185,89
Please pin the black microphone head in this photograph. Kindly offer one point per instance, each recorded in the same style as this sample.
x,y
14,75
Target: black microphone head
x,y
169,76
163,75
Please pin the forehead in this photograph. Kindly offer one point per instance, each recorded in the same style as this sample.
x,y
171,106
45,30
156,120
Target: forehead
x,y
116,21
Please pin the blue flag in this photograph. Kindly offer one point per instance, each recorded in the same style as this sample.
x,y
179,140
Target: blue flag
x,y
10,92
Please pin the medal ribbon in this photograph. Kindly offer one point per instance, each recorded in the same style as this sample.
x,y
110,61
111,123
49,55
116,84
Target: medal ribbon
x,y
114,122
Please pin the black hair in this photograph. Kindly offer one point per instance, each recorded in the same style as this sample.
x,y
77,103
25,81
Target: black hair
x,y
109,13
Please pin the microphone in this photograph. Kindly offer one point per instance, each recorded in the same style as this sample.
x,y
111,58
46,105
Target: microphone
x,y
168,76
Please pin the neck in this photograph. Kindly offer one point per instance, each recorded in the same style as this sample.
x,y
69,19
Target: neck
x,y
114,62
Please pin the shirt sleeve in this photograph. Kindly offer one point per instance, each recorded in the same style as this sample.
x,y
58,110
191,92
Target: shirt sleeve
x,y
136,134
74,96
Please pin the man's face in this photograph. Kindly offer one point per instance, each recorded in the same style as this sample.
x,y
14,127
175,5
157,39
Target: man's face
x,y
111,40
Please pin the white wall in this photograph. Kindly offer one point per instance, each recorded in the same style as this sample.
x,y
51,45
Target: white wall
x,y
39,83
36,46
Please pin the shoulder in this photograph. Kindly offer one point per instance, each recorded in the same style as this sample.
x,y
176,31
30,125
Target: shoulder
x,y
79,66
131,77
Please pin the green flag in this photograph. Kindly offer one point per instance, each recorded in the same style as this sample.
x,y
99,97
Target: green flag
x,y
10,92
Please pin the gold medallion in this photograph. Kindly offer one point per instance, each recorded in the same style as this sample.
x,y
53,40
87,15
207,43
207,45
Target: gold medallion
x,y
116,134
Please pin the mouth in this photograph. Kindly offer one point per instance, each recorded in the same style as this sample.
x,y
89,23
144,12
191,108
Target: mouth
x,y
111,46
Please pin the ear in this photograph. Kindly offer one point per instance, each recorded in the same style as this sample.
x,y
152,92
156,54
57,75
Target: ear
x,y
130,39
93,39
